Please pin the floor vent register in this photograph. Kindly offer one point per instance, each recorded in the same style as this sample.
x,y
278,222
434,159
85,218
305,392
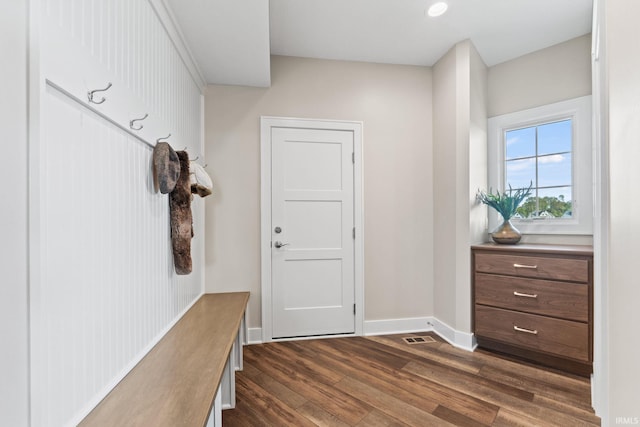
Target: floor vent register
x,y
418,340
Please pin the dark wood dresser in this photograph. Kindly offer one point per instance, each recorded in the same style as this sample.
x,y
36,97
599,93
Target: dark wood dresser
x,y
535,302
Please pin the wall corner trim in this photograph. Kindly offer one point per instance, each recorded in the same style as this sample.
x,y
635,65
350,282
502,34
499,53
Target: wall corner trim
x,y
171,26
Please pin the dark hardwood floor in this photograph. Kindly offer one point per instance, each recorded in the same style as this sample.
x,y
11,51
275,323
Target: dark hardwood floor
x,y
382,381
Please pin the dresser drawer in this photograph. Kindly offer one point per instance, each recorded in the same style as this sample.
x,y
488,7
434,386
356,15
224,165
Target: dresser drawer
x,y
572,269
554,336
558,299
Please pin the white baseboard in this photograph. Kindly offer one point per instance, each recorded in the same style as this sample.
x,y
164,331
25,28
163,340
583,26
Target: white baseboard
x,y
398,326
254,336
462,340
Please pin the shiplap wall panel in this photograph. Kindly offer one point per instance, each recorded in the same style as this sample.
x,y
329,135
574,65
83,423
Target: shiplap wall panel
x,y
108,287
103,285
89,43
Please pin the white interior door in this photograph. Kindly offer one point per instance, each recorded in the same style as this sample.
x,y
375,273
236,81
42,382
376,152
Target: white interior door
x,y
312,220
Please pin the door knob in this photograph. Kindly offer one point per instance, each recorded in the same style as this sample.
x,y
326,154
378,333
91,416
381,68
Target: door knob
x,y
278,244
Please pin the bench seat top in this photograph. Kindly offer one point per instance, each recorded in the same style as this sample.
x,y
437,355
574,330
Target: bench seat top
x,y
175,384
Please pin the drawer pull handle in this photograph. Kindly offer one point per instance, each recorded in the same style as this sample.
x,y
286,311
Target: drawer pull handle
x,y
520,294
531,267
528,331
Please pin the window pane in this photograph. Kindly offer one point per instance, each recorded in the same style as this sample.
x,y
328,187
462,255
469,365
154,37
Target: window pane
x,y
556,202
554,137
554,170
520,143
541,155
520,173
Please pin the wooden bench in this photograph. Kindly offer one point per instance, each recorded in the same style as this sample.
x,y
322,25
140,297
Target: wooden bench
x,y
188,377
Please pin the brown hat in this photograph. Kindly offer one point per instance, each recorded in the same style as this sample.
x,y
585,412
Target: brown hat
x,y
166,168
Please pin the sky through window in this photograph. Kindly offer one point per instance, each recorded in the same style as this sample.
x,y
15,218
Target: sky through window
x,y
542,155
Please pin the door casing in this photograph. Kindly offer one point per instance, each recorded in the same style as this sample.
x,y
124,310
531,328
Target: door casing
x,y
266,124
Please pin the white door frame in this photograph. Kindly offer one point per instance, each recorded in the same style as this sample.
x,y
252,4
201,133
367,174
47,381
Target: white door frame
x,y
266,124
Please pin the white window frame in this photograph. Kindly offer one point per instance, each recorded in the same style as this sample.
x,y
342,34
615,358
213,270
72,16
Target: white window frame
x,y
579,111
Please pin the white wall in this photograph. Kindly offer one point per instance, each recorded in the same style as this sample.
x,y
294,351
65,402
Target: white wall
x,y
620,326
14,330
460,168
543,77
600,378
445,132
394,102
549,75
479,92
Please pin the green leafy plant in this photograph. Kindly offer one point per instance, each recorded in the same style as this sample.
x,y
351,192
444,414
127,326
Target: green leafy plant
x,y
506,203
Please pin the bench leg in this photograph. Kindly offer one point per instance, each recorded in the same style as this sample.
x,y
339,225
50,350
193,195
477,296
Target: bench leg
x,y
215,417
228,382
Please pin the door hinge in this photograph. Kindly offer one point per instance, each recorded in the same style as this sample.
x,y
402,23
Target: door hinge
x,y
353,158
354,233
354,309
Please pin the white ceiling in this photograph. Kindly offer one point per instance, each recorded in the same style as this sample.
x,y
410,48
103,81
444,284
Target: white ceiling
x,y
229,39
232,39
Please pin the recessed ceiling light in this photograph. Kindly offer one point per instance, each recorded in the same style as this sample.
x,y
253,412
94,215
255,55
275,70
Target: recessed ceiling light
x,y
437,9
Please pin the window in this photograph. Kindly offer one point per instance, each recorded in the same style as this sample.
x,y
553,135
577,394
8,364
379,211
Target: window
x,y
540,156
548,148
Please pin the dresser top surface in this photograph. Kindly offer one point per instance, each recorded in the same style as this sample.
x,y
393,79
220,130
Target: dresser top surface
x,y
536,248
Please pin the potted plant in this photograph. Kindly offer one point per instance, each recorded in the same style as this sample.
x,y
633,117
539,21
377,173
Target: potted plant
x,y
506,204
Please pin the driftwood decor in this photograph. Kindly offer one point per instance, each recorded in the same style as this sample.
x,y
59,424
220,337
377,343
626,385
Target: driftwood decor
x,y
176,175
181,218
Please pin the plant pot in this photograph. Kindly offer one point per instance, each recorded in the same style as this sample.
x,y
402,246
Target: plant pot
x,y
506,234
